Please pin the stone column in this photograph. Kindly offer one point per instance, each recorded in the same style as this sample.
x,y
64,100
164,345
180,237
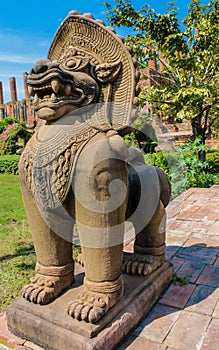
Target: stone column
x,y
162,61
2,111
152,64
13,89
1,94
27,95
21,112
152,69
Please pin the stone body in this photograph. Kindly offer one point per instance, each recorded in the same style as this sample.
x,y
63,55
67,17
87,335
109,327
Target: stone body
x,y
77,169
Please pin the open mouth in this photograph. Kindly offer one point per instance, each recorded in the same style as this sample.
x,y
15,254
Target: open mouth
x,y
52,91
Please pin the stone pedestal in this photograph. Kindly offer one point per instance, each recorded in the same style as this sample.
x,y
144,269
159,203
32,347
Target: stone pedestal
x,y
52,328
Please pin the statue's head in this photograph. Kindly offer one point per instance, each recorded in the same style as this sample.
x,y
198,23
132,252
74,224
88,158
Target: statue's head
x,y
87,63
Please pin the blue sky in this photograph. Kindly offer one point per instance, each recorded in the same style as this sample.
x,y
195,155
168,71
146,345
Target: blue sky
x,y
27,29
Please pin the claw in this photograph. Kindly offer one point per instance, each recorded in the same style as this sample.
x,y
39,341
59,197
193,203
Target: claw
x,y
147,270
85,313
124,266
134,267
128,267
78,311
95,315
71,308
34,295
140,268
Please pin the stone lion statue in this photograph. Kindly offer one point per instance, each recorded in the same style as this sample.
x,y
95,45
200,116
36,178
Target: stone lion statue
x,y
77,169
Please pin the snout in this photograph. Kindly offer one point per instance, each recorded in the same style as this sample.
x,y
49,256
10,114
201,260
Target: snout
x,y
43,65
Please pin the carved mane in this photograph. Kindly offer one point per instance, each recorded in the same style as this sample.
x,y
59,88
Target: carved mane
x,y
87,37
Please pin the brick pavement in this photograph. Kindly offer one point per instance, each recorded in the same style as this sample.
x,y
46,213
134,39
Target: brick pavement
x,y
186,317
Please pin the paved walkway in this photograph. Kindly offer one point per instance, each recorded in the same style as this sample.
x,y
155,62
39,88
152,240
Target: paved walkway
x,y
187,316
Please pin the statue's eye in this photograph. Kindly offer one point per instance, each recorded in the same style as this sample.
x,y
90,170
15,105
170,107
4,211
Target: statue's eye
x,y
76,63
71,64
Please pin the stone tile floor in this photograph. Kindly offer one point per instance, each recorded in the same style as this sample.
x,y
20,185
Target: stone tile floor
x,y
187,316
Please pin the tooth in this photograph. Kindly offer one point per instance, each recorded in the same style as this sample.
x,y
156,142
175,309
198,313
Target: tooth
x,y
53,97
67,89
36,99
55,86
30,90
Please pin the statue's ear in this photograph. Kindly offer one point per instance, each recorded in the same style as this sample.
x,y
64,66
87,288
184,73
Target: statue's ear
x,y
107,72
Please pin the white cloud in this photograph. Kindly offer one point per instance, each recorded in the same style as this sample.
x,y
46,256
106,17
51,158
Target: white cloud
x,y
8,57
43,43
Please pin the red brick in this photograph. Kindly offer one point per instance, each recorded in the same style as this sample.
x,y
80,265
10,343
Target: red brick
x,y
171,213
214,229
177,238
177,296
197,216
203,300
198,252
216,263
211,339
177,262
133,343
197,238
158,323
171,251
191,270
210,276
188,331
174,225
212,216
184,215
192,226
216,310
6,337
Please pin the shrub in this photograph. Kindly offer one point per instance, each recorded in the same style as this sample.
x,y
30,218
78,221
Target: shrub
x,y
14,138
185,169
143,134
9,164
212,159
9,120
197,172
173,166
159,160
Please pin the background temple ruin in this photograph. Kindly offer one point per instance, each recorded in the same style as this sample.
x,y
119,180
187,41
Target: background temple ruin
x,y
22,109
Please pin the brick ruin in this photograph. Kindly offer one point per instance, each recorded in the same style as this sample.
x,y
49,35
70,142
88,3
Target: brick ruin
x,y
22,109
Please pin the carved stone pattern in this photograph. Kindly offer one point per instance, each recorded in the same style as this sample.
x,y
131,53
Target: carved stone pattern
x,y
104,287
100,45
48,177
54,270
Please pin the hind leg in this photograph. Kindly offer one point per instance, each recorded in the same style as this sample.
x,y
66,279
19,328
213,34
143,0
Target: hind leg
x,y
149,245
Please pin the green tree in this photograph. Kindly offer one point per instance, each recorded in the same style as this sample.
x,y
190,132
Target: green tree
x,y
187,87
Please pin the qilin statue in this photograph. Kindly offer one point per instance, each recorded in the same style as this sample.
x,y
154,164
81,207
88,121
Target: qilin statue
x,y
77,169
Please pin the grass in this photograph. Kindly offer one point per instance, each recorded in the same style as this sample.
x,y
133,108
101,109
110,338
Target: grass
x,y
17,257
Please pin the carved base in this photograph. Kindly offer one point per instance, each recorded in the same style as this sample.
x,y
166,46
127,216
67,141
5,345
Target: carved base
x,y
52,328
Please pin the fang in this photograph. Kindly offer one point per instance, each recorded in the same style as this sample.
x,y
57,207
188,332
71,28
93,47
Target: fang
x,y
53,97
55,86
30,90
67,89
36,99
